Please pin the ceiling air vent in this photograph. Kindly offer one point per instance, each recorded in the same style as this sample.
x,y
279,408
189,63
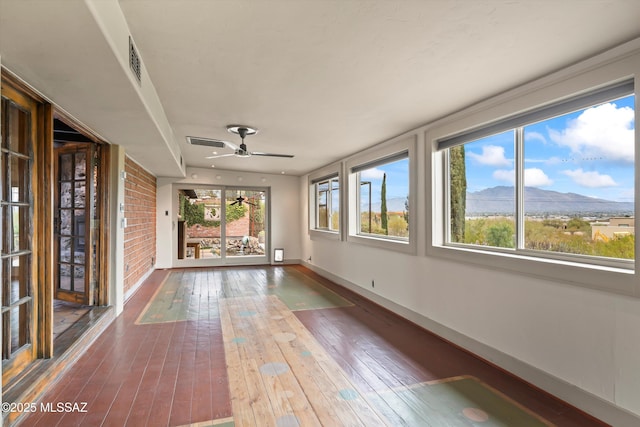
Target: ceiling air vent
x,y
207,142
134,61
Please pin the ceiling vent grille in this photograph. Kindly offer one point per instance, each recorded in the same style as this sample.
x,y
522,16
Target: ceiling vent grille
x,y
207,142
134,61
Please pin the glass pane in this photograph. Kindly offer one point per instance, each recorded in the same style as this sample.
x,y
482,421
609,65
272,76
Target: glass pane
x,y
322,207
482,192
81,165
7,229
18,267
66,167
19,325
245,223
79,224
579,182
66,196
65,278
19,179
384,192
202,212
18,130
79,197
4,159
335,205
13,265
65,222
78,278
65,249
20,228
6,334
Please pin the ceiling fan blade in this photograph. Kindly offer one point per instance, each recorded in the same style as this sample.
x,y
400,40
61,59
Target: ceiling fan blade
x,y
231,145
234,203
220,155
257,153
207,142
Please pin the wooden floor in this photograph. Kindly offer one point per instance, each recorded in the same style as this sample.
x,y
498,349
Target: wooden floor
x,y
280,346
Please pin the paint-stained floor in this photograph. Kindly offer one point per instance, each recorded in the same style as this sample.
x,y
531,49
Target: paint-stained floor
x,y
282,346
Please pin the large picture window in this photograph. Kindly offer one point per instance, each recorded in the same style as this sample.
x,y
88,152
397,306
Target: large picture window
x,y
554,182
381,196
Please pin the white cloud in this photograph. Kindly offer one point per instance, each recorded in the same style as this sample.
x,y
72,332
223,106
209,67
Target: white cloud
x,y
374,173
492,155
533,177
590,179
605,131
505,175
533,136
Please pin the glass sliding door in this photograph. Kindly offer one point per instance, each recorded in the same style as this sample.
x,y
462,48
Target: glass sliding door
x,y
199,223
222,226
245,223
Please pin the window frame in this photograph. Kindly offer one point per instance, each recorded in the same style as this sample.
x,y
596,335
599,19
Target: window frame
x,y
333,171
583,102
581,79
371,157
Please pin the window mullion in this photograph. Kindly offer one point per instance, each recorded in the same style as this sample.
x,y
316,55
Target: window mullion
x,y
447,196
519,187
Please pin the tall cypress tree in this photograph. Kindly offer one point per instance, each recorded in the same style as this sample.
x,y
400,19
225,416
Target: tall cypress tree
x,y
383,205
458,180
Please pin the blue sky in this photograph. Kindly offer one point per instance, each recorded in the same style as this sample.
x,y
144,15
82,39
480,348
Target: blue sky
x,y
397,182
589,152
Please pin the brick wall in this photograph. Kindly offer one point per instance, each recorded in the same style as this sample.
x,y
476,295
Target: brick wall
x,y
140,234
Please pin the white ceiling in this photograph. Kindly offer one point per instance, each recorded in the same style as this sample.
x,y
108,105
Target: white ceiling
x,y
321,79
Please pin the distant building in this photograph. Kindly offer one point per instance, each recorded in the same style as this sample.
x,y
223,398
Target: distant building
x,y
615,227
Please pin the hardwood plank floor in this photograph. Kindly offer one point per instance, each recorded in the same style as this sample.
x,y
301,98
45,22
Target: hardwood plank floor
x,y
282,346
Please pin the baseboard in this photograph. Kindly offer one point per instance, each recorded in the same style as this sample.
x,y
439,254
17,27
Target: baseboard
x,y
573,395
291,261
139,283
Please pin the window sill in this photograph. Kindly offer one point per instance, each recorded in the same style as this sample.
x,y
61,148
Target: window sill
x,y
396,245
324,234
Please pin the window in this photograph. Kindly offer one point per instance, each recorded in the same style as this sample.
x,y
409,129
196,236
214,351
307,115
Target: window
x,y
556,182
325,199
327,204
381,194
383,208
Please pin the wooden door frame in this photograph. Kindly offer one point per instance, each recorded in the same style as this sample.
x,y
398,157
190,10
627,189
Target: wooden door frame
x,y
41,257
101,294
44,182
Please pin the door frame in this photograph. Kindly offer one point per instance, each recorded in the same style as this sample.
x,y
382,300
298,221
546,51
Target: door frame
x,y
223,260
41,327
43,184
101,292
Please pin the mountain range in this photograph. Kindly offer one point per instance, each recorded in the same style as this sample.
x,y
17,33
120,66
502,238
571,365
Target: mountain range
x,y
500,200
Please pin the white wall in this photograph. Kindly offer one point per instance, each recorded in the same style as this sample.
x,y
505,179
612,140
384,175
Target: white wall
x,y
580,344
285,208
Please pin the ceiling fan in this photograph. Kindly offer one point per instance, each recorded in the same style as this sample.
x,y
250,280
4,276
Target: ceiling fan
x,y
242,151
240,200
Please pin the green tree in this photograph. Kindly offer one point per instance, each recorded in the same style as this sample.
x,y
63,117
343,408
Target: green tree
x,y
500,235
405,214
383,205
458,191
398,226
